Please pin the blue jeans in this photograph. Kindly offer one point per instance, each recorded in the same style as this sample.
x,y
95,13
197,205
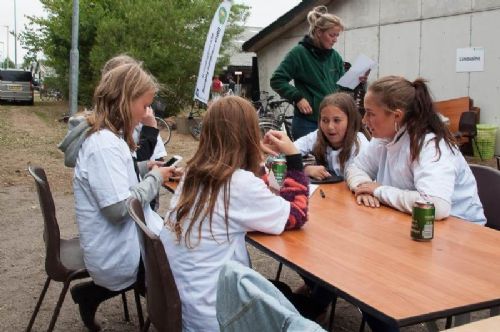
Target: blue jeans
x,y
302,127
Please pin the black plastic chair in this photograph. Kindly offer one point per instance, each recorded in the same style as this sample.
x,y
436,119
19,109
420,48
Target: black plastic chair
x,y
488,187
63,258
162,296
467,129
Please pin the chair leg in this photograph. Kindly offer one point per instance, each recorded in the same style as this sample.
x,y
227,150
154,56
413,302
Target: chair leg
x,y
332,313
449,321
145,328
58,305
139,307
278,274
125,307
462,319
362,325
38,304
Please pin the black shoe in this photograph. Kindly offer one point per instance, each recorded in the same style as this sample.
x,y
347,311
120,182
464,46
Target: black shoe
x,y
82,294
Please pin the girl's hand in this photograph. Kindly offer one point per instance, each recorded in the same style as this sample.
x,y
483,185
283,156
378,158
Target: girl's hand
x,y
166,172
367,200
153,163
304,107
149,118
178,173
366,188
267,149
278,141
317,172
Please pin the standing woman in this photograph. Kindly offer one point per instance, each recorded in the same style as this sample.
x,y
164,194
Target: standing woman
x,y
412,155
315,69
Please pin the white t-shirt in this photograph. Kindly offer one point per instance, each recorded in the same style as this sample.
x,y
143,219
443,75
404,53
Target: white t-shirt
x,y
159,151
104,174
305,144
448,178
252,207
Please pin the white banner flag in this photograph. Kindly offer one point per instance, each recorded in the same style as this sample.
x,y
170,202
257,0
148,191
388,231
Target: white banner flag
x,y
211,51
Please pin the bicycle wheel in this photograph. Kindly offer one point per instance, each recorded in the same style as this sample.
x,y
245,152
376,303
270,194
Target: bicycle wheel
x,y
195,129
266,125
165,131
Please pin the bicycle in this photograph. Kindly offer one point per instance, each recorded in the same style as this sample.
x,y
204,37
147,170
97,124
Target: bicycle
x,y
274,114
165,130
195,119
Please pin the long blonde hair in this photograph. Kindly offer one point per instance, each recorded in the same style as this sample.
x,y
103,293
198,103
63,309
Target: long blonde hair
x,y
320,19
230,140
346,104
118,88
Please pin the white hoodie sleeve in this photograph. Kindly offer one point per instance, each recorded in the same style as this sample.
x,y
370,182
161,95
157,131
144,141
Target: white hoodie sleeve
x,y
403,200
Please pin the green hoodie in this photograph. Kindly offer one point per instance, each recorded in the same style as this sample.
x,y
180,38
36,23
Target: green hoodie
x,y
315,73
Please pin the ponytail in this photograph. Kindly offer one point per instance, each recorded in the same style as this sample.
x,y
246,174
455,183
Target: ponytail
x,y
420,117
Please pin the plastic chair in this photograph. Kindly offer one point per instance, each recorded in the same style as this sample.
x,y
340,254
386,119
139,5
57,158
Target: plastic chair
x,y
63,258
162,296
488,187
467,129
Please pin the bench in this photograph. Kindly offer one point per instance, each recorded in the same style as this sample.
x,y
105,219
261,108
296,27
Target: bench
x,y
453,109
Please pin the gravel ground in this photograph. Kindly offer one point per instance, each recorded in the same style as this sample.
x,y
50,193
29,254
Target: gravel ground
x,y
30,134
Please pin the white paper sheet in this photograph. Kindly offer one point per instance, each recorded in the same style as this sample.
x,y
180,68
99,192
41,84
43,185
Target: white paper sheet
x,y
359,68
312,188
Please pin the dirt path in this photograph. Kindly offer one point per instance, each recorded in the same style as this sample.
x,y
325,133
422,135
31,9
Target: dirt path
x,y
30,134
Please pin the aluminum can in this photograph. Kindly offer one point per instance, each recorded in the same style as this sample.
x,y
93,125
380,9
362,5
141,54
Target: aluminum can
x,y
278,167
422,225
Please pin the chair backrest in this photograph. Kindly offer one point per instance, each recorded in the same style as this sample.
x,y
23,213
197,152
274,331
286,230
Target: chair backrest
x,y
163,301
467,124
488,186
53,266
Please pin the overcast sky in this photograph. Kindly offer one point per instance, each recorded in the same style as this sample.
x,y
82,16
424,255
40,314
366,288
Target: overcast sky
x,y
262,13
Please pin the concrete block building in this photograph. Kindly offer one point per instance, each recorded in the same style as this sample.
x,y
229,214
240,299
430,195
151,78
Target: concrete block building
x,y
412,38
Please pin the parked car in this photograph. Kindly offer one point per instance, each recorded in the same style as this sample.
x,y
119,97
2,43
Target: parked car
x,y
16,86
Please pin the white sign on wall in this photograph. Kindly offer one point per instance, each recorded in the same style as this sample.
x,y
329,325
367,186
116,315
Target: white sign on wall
x,y
470,59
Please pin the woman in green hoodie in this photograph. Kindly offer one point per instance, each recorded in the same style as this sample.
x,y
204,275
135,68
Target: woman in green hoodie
x,y
315,69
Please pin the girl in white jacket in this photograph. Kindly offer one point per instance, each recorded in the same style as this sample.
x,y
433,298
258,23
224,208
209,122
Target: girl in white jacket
x,y
412,155
338,139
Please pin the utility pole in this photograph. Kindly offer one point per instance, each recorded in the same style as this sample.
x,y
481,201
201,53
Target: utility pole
x,y
73,61
15,34
7,42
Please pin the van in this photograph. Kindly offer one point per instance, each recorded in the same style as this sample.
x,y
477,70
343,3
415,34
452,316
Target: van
x,y
16,85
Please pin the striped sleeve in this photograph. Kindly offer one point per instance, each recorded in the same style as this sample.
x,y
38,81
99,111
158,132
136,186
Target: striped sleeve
x,y
295,190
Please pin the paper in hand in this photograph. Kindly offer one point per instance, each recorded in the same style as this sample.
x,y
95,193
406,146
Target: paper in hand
x,y
359,68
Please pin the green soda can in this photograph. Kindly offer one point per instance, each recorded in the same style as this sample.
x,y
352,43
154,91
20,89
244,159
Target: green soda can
x,y
278,167
422,225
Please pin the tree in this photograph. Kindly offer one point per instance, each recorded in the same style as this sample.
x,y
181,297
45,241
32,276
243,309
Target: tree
x,y
7,63
167,35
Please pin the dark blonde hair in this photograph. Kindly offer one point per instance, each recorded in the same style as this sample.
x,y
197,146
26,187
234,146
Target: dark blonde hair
x,y
118,88
115,61
415,101
320,19
230,140
346,104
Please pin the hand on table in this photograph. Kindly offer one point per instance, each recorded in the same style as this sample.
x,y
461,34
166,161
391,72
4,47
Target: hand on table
x,y
364,194
317,172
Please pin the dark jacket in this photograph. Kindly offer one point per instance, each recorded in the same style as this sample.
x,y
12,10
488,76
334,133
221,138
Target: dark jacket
x,y
315,72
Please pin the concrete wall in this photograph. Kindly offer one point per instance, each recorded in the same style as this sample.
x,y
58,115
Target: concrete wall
x,y
415,38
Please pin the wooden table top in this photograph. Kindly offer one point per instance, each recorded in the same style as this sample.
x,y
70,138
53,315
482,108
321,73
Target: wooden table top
x,y
368,257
